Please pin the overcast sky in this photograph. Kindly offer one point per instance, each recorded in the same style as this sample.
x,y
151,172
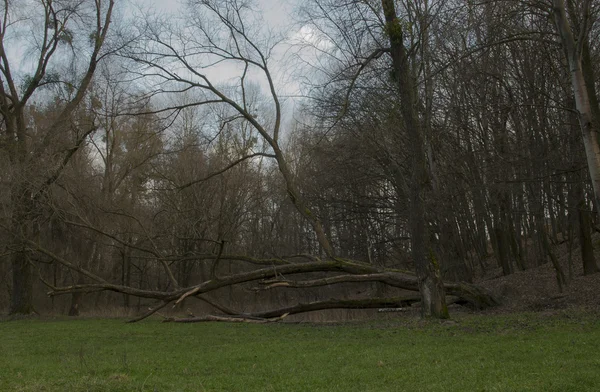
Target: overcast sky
x,y
276,12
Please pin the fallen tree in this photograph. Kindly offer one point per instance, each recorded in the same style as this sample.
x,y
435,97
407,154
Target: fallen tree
x,y
280,314
270,278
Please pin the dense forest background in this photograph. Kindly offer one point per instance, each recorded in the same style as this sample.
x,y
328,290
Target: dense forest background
x,y
372,148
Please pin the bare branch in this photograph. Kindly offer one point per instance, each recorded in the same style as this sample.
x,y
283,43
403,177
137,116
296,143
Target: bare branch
x,y
226,168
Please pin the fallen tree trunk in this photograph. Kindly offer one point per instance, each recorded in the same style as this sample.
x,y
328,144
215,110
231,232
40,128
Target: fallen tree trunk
x,y
468,294
281,313
368,303
271,277
226,319
476,296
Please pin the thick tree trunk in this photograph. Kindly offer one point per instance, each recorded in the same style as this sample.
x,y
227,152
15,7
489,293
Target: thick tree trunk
x,y
579,215
515,242
503,250
502,234
573,51
427,266
587,67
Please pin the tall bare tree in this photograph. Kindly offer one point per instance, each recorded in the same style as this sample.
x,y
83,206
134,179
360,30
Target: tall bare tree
x,y
58,27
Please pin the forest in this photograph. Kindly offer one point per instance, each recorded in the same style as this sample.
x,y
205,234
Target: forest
x,y
365,155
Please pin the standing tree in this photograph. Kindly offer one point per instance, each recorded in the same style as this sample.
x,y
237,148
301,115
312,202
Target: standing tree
x,y
427,266
575,43
61,29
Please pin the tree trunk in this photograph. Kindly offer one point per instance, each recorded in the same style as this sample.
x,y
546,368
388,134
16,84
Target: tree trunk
x,y
560,275
76,300
126,274
585,242
21,300
427,266
573,51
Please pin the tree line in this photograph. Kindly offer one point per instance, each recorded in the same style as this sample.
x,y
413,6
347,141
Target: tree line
x,y
436,141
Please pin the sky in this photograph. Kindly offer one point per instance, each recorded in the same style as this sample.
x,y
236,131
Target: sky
x,y
277,15
276,12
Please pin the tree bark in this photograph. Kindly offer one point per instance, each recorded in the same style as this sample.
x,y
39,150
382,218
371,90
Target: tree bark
x,y
427,266
561,280
573,51
579,216
585,242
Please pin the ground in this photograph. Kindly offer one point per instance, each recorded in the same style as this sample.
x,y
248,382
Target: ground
x,y
519,352
539,339
536,289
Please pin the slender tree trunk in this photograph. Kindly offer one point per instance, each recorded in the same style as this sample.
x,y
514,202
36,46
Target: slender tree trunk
x,y
87,262
545,243
76,299
585,241
126,273
299,202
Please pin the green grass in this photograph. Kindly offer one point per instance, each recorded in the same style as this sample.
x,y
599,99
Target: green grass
x,y
526,352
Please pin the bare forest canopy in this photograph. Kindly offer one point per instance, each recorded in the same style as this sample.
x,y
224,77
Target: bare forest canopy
x,y
151,162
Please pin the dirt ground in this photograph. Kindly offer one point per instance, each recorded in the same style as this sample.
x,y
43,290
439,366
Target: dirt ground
x,y
536,289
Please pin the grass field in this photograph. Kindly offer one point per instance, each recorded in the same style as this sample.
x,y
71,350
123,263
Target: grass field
x,y
525,352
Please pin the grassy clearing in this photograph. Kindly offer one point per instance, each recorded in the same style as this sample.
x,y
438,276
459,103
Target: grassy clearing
x,y
526,352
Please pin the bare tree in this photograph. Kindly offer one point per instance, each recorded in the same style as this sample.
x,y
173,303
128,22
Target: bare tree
x,y
58,26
